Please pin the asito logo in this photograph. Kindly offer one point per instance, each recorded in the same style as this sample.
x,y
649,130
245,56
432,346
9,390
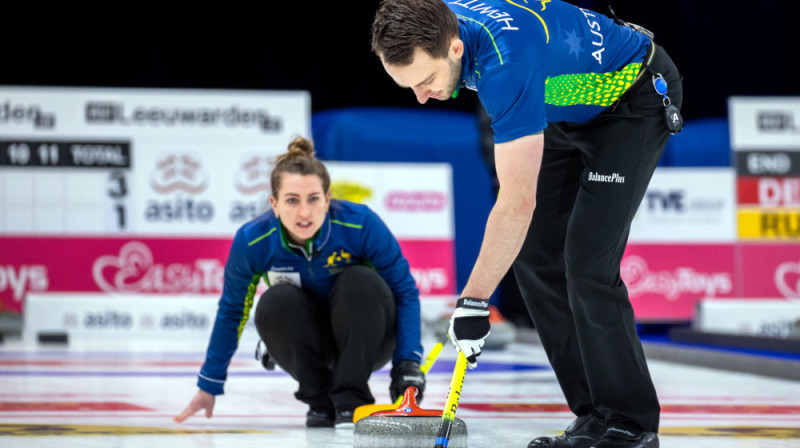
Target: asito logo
x,y
179,172
254,175
24,113
252,178
184,319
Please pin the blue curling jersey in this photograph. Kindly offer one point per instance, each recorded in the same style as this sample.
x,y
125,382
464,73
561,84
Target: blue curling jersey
x,y
538,62
352,234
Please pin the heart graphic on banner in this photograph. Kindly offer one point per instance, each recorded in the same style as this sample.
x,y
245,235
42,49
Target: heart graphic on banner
x,y
132,263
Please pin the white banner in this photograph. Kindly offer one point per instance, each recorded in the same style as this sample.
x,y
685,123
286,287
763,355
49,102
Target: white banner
x,y
166,115
101,318
764,123
761,317
415,200
687,205
124,316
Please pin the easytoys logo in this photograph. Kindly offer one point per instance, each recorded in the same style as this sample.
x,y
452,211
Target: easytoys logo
x,y
430,280
673,284
22,279
134,270
787,279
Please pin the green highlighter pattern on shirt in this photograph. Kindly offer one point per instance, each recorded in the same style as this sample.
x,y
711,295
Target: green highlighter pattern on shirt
x,y
594,89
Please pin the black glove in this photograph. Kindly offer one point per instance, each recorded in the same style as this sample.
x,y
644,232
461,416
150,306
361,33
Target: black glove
x,y
264,357
406,373
469,327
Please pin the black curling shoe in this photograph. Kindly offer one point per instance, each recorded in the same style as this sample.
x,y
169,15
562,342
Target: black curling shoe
x,y
319,418
623,438
583,432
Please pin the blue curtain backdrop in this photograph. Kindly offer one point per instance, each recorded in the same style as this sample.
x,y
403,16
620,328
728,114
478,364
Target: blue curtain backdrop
x,y
368,134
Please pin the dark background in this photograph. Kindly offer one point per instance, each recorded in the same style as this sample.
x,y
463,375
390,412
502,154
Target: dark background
x,y
722,48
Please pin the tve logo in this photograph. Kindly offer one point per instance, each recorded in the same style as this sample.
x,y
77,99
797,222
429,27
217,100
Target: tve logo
x,y
666,200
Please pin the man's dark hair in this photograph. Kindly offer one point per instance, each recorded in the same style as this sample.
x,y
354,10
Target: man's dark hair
x,y
401,26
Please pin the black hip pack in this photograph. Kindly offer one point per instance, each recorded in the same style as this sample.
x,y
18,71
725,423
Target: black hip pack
x,y
672,115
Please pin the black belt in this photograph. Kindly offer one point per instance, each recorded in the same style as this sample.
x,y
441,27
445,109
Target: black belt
x,y
648,59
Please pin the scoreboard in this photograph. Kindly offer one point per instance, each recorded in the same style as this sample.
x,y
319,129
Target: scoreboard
x,y
64,186
142,161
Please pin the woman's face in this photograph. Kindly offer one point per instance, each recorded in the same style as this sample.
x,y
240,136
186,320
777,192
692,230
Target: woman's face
x,y
301,205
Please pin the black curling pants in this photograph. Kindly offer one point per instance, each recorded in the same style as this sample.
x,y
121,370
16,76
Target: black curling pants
x,y
592,181
331,348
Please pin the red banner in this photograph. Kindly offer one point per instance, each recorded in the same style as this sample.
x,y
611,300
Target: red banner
x,y
768,191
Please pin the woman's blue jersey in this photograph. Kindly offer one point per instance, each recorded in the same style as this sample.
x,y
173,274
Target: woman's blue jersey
x,y
352,234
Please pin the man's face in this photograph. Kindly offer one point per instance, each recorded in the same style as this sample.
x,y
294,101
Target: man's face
x,y
429,77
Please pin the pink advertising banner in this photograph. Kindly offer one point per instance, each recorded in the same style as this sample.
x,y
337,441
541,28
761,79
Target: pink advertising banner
x,y
159,266
770,270
665,281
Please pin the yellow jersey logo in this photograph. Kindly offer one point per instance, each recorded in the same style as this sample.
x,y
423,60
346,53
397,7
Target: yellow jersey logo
x,y
337,257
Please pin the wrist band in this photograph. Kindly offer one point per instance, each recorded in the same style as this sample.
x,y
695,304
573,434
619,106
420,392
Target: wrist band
x,y
473,303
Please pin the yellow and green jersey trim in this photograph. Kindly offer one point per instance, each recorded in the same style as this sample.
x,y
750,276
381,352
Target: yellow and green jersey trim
x,y
347,224
590,89
248,303
491,36
262,236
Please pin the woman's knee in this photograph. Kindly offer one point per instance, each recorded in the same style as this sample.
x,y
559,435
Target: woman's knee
x,y
278,303
360,283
